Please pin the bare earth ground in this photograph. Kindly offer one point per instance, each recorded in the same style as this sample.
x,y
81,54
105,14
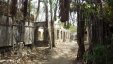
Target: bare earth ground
x,y
63,53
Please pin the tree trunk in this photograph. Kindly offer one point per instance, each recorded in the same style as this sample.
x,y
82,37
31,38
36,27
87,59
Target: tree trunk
x,y
25,8
52,25
80,33
37,10
13,7
46,30
64,10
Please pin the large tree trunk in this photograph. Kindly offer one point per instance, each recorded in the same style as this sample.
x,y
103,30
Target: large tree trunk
x,y
25,3
95,30
64,10
46,34
13,7
52,22
80,33
96,27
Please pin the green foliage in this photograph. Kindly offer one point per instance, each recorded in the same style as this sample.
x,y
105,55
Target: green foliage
x,y
97,56
107,10
100,54
73,28
110,2
69,26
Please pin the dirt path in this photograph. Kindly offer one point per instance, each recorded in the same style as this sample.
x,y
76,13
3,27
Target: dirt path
x,y
63,53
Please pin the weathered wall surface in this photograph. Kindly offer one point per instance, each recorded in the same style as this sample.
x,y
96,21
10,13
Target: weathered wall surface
x,y
6,34
12,32
29,33
61,35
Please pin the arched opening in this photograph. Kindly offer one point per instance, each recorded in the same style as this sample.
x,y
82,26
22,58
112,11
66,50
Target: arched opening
x,y
40,34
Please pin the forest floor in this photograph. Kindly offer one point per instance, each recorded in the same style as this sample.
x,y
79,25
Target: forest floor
x,y
63,53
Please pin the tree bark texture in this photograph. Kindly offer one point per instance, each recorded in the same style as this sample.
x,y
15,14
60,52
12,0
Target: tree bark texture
x,y
80,33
